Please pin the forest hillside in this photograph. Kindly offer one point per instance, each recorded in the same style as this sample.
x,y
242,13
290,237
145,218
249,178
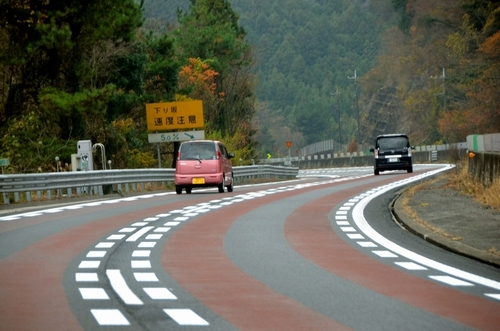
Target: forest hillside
x,y
267,72
428,68
306,57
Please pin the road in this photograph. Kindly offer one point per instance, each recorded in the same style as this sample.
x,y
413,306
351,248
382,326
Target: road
x,y
317,253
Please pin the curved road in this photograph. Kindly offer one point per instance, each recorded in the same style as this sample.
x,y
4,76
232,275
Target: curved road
x,y
318,253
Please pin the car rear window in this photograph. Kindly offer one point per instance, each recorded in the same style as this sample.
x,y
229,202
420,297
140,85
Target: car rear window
x,y
197,151
392,142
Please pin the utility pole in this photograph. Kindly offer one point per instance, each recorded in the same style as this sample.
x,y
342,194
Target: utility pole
x,y
337,93
443,77
355,77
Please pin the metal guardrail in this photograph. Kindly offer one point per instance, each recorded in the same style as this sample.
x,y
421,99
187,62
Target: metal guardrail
x,y
100,182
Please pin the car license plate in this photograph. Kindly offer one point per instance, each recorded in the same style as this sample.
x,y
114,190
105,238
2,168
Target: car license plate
x,y
393,159
198,181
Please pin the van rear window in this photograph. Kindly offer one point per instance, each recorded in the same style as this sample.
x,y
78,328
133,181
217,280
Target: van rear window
x,y
197,151
392,143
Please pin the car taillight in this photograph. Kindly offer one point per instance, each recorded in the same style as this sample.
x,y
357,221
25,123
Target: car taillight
x,y
178,155
376,152
218,155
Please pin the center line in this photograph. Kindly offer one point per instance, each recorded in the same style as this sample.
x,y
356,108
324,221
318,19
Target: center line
x,y
121,288
139,233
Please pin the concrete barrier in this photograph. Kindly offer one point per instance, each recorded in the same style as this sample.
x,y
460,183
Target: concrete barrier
x,y
485,167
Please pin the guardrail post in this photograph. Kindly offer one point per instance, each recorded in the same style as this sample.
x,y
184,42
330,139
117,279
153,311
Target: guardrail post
x,y
6,199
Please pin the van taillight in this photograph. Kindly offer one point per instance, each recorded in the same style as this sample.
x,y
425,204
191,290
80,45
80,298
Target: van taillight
x,y
218,155
178,155
376,151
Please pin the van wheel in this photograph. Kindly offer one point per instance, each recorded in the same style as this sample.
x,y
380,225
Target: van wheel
x,y
410,169
376,172
188,189
221,187
230,186
178,189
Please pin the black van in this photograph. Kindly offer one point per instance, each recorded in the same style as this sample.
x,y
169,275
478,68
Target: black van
x,y
392,152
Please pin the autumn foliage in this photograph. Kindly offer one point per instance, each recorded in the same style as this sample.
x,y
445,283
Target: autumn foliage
x,y
198,78
443,61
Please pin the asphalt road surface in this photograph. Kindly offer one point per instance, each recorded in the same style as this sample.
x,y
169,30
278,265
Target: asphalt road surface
x,y
318,253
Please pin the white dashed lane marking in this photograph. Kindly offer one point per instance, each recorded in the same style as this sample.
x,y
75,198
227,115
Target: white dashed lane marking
x,y
146,234
360,229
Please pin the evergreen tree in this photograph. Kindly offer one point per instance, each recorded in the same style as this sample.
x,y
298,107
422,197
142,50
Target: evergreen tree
x,y
210,31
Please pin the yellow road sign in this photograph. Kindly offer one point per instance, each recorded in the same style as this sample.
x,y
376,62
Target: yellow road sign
x,y
175,115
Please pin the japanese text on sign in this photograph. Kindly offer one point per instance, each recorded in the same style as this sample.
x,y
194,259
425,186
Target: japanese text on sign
x,y
174,115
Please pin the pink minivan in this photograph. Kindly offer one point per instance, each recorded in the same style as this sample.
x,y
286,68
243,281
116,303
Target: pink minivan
x,y
202,163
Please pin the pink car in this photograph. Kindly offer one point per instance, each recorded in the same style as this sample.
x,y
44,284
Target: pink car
x,y
202,163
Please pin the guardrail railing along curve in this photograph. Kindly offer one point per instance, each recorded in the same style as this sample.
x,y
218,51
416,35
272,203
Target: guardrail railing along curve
x,y
99,182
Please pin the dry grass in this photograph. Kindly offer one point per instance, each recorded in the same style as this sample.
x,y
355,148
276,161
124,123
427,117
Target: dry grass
x,y
411,213
462,181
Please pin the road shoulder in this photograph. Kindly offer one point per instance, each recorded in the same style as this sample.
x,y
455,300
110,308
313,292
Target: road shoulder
x,y
439,214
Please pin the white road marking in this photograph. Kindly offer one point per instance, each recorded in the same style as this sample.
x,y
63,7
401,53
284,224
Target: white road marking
x,y
116,237
140,264
96,254
145,277
493,295
386,254
121,288
104,245
139,224
410,266
141,253
154,236
127,230
362,224
366,244
109,317
162,229
93,293
147,244
86,277
159,293
451,281
139,233
89,264
185,317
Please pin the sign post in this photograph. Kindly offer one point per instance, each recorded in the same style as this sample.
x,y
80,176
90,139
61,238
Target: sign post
x,y
175,118
4,163
175,115
167,137
289,161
